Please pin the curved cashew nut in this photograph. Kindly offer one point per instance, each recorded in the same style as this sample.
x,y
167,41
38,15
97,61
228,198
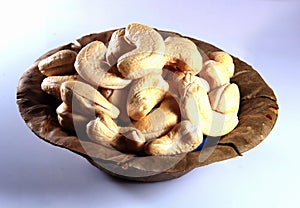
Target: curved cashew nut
x,y
106,132
51,85
59,63
117,46
184,137
183,53
179,81
83,96
147,57
91,66
215,74
160,120
144,94
195,106
225,99
129,139
119,99
225,59
68,119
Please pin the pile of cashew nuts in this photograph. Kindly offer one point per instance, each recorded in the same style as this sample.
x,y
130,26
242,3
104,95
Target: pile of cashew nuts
x,y
142,92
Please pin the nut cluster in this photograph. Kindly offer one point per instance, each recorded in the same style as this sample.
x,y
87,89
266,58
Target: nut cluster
x,y
143,93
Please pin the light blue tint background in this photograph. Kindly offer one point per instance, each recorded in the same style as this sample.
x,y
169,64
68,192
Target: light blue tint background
x,y
264,33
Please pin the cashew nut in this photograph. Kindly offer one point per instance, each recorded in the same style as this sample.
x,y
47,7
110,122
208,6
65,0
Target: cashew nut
x,y
59,63
160,120
183,53
106,132
184,137
144,94
225,99
119,99
68,119
147,57
215,74
103,129
92,67
225,59
129,139
86,98
117,46
195,106
51,85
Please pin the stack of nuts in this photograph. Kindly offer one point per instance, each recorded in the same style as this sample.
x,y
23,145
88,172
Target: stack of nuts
x,y
146,93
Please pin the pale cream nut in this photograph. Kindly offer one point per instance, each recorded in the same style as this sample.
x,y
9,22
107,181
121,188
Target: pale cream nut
x,y
144,94
119,99
117,46
70,120
51,85
225,99
59,63
92,67
183,54
148,55
102,130
215,74
129,139
225,59
183,138
195,107
83,97
160,120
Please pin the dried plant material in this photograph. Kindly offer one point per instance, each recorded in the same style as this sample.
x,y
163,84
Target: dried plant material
x,y
86,98
148,55
144,94
183,54
257,115
91,66
59,63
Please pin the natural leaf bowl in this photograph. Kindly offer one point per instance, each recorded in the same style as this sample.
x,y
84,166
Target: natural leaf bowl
x,y
257,116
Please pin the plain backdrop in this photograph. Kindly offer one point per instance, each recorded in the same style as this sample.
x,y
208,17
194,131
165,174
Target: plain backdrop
x,y
263,33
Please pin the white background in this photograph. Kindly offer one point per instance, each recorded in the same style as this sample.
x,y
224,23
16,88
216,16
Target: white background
x,y
264,33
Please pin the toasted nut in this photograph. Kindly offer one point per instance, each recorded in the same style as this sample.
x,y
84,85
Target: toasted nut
x,y
225,59
129,140
184,137
60,63
51,85
70,120
215,74
102,130
92,67
148,55
119,99
144,94
195,107
183,53
160,120
225,99
117,46
86,98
